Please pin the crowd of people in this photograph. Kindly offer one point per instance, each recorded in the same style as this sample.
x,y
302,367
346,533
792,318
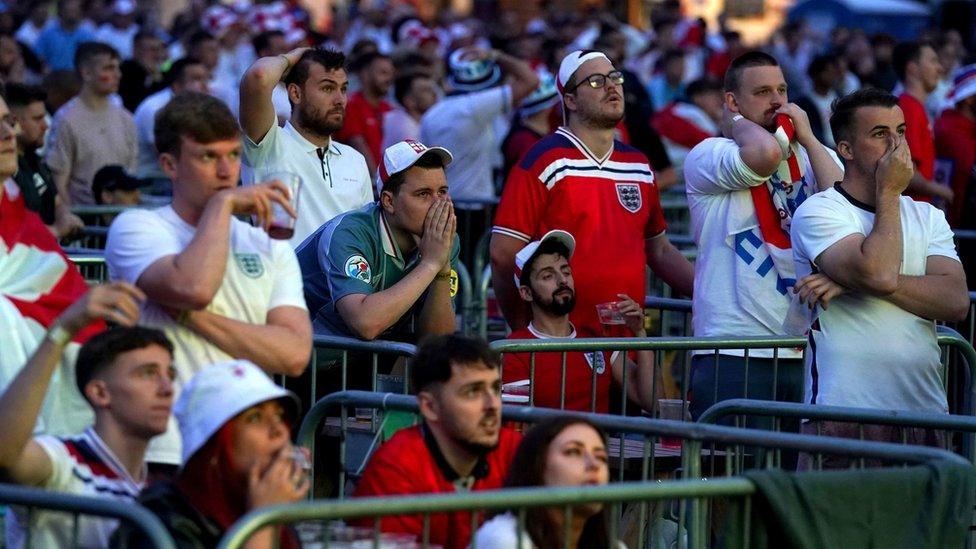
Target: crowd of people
x,y
334,184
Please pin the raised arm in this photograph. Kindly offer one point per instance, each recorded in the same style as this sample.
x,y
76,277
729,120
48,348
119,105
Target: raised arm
x,y
191,278
437,316
825,168
644,385
257,84
503,249
758,148
523,79
369,315
22,460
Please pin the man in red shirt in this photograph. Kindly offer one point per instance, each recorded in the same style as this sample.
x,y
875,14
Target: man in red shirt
x,y
459,446
363,128
545,282
582,180
919,71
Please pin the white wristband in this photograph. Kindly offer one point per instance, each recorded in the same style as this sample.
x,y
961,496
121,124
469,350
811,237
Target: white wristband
x,y
736,118
59,336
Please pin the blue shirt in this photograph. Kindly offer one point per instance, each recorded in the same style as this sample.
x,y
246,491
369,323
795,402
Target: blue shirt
x,y
56,46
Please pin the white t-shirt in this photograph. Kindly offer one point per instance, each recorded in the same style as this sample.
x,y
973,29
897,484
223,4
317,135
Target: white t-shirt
x,y
717,182
464,125
121,40
261,274
337,183
868,352
145,118
85,466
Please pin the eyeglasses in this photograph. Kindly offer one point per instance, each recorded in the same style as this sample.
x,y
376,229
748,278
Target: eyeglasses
x,y
597,81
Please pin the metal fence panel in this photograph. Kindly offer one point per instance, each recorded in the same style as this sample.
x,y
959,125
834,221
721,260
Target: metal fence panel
x,y
39,500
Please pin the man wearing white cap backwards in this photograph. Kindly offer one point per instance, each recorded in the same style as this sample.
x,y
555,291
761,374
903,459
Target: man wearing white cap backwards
x,y
582,180
370,272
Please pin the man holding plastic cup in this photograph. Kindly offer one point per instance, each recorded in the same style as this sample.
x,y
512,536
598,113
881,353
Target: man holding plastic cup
x,y
219,288
545,282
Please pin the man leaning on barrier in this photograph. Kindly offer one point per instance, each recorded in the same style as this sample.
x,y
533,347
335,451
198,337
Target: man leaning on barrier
x,y
459,446
545,282
389,269
875,346
126,375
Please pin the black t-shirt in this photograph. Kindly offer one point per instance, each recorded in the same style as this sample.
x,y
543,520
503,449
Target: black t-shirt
x,y
136,84
37,185
188,527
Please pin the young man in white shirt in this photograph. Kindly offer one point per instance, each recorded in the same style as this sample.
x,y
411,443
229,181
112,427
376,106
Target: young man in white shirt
x,y
335,178
218,287
744,268
875,346
126,375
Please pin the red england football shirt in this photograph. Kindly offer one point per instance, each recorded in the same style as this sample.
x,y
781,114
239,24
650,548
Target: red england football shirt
x,y
364,120
610,205
918,134
580,378
404,465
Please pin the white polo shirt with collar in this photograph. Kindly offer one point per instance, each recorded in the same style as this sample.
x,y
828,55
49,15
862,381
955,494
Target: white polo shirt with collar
x,y
333,182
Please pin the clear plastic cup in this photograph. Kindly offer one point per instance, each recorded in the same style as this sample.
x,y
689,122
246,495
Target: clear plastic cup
x,y
282,223
609,314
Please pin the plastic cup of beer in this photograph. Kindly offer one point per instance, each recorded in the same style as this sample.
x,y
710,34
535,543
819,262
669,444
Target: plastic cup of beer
x,y
610,316
673,409
282,223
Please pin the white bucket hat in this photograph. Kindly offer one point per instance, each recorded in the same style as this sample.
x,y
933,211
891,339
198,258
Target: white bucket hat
x,y
217,393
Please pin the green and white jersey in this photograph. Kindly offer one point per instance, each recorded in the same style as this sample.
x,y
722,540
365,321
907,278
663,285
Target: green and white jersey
x,y
355,253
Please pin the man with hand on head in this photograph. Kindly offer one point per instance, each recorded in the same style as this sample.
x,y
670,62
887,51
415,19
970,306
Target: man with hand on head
x,y
217,286
742,191
876,345
126,375
334,176
372,272
460,445
545,282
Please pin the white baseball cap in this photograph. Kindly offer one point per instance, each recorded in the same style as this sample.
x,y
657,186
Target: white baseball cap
x,y
217,393
571,63
401,155
528,252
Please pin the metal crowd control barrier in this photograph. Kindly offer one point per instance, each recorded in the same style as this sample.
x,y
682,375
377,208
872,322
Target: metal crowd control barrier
x,y
39,500
643,449
740,407
698,442
958,381
673,315
91,265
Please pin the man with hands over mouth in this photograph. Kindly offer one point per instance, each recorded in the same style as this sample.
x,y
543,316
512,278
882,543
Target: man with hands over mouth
x,y
389,269
876,346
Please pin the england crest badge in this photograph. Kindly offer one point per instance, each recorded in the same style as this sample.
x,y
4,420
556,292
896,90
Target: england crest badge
x,y
249,264
629,196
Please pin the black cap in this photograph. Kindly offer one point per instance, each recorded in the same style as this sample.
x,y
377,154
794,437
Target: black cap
x,y
114,178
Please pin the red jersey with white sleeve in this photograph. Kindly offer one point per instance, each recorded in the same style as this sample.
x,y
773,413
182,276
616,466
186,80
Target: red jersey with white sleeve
x,y
610,205
583,371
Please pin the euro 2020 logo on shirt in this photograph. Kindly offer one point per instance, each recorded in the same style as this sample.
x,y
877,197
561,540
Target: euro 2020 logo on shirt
x,y
629,196
358,267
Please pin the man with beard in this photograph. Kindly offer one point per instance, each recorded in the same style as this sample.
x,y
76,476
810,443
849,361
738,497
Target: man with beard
x,y
742,191
582,180
334,176
545,282
460,445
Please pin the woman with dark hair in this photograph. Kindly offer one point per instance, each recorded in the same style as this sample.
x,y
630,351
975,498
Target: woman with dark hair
x,y
237,456
561,451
